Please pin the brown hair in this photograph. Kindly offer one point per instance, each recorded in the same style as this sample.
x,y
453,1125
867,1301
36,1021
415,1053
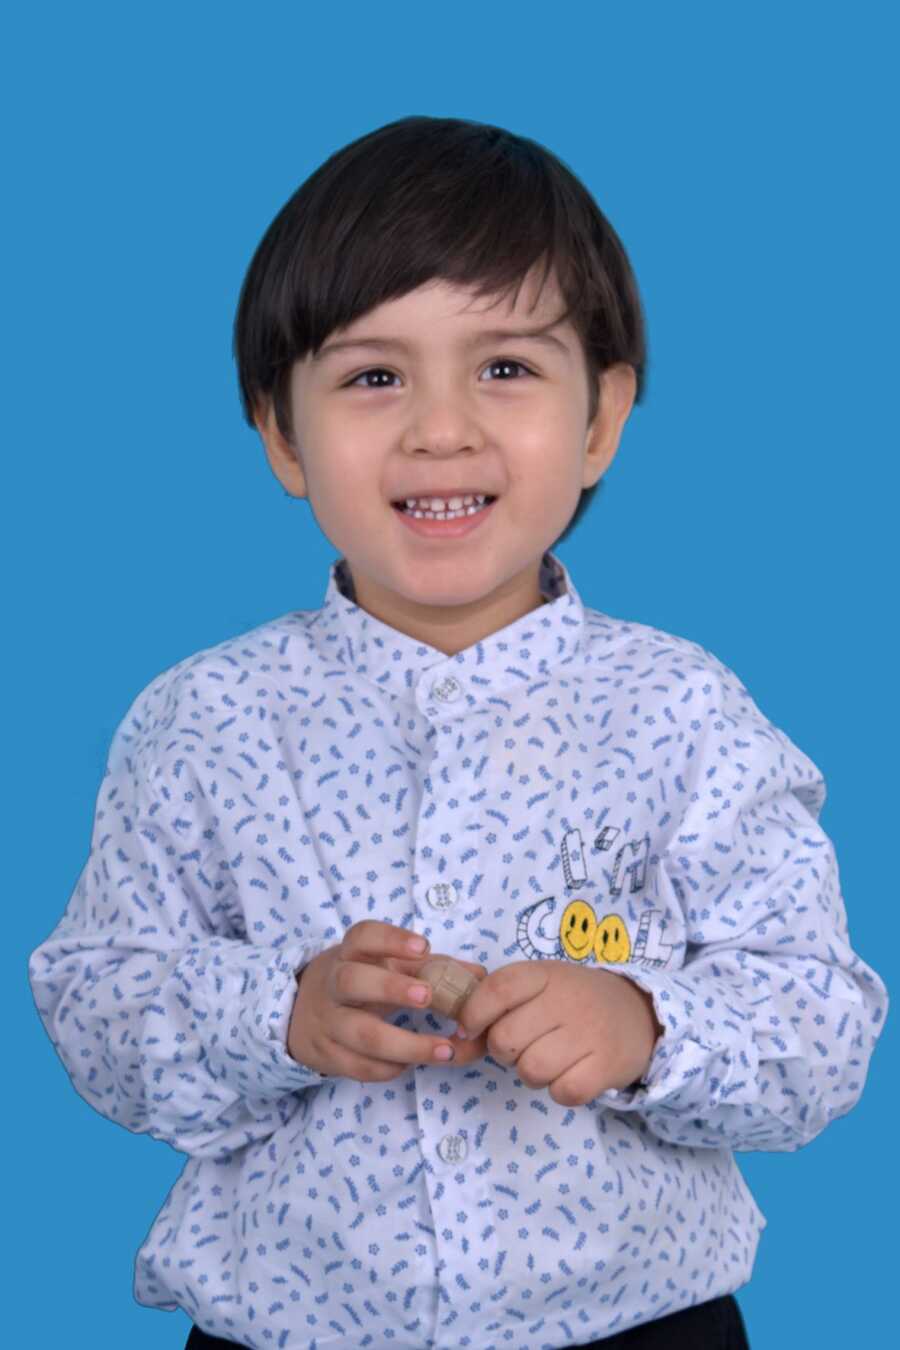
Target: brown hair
x,y
427,198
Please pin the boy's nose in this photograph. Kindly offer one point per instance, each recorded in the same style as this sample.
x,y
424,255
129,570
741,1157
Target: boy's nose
x,y
441,423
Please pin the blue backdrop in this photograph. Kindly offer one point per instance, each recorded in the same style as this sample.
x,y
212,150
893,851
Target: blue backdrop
x,y
742,153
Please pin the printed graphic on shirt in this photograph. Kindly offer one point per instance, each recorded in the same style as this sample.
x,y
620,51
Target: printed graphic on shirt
x,y
580,935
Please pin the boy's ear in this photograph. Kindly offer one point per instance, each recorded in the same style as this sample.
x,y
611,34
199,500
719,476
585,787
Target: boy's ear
x,y
284,460
617,389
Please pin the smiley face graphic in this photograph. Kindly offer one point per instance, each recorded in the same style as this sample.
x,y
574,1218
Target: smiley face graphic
x,y
577,928
611,940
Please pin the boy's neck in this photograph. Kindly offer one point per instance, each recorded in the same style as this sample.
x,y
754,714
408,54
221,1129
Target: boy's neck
x,y
450,628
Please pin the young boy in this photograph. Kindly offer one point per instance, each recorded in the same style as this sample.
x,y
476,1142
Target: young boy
x,y
440,340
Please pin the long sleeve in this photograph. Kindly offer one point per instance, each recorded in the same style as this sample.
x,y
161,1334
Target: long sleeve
x,y
770,1023
167,1018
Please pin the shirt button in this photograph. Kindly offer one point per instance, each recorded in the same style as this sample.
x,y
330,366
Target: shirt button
x,y
441,895
446,690
453,1148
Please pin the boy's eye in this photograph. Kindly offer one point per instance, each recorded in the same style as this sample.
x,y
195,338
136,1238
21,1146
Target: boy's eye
x,y
376,370
506,362
500,361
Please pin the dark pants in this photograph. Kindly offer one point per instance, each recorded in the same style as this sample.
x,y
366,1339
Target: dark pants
x,y
716,1325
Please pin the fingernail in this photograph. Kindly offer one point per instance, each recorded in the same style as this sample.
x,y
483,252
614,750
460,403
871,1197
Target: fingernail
x,y
419,992
417,945
444,1052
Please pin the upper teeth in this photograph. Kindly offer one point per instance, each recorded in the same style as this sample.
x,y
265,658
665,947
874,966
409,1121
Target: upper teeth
x,y
442,504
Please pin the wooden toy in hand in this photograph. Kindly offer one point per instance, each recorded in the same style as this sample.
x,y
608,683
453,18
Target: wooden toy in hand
x,y
451,984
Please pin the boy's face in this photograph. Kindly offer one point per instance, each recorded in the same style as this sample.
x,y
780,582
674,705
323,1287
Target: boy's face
x,y
449,410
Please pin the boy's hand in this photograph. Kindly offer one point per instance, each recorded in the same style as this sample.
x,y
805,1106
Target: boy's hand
x,y
578,1030
337,1025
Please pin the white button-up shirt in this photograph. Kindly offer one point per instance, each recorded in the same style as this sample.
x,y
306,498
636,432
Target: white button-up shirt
x,y
572,787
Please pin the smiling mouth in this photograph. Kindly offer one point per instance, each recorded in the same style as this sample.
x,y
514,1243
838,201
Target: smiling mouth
x,y
470,507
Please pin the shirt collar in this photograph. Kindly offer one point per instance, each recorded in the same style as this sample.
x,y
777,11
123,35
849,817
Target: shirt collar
x,y
546,637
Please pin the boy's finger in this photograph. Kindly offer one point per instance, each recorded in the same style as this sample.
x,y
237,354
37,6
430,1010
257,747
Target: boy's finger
x,y
370,939
349,1064
416,964
367,1035
468,1048
355,983
498,993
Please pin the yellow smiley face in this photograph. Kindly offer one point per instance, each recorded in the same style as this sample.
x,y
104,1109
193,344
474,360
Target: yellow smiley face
x,y
576,929
611,940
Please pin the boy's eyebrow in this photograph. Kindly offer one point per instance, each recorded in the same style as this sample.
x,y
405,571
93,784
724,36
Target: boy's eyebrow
x,y
492,335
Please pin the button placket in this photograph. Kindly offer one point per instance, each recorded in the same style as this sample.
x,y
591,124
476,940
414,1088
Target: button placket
x,y
442,896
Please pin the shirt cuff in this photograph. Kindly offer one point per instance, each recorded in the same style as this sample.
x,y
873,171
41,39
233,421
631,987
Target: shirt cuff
x,y
263,1025
706,1055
